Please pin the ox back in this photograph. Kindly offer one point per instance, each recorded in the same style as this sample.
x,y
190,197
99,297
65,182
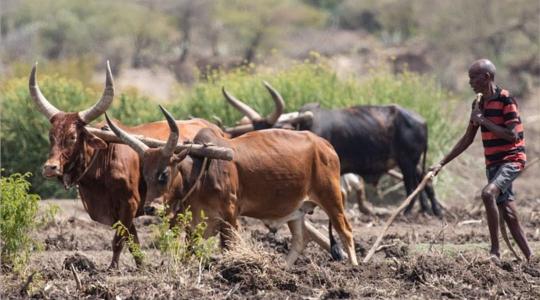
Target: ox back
x,y
371,140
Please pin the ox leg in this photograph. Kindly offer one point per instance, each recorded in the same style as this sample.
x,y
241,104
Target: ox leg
x,y
344,230
361,197
312,234
344,197
429,193
435,206
410,180
337,218
328,199
117,246
135,248
298,242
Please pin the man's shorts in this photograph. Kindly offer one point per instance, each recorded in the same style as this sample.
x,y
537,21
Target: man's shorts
x,y
502,176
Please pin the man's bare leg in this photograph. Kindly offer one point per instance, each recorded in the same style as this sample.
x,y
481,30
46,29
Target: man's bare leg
x,y
509,213
489,197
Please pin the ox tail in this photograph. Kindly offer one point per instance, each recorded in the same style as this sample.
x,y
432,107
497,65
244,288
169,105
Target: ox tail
x,y
424,158
335,249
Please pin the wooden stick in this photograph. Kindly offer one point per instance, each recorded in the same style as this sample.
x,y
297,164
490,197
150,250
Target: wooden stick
x,y
77,280
395,174
209,151
529,164
420,187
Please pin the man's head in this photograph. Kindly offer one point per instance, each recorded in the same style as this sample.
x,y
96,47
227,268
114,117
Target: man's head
x,y
482,75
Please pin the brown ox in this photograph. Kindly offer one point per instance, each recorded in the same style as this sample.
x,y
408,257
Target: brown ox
x,y
271,176
108,176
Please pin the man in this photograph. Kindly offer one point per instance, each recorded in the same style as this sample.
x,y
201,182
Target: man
x,y
502,135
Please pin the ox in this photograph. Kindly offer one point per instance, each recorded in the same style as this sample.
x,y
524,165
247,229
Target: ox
x,y
108,176
271,176
370,140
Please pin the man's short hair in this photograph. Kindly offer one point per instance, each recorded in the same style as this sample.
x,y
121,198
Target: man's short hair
x,y
484,65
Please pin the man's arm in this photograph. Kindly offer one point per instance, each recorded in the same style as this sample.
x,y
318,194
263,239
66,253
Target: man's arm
x,y
463,143
508,133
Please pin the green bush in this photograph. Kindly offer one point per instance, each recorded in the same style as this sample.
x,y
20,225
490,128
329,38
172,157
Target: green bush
x,y
135,248
18,212
133,109
181,242
317,82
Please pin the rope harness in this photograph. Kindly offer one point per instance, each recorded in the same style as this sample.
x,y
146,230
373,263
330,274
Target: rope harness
x,y
76,181
193,187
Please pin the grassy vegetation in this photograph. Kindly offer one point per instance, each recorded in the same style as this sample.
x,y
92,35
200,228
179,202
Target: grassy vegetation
x,y
17,220
315,81
181,242
134,248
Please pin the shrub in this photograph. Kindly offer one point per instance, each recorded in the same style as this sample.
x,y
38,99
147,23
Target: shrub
x,y
182,241
133,109
135,248
18,211
317,82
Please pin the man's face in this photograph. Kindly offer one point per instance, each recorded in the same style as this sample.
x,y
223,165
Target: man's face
x,y
478,80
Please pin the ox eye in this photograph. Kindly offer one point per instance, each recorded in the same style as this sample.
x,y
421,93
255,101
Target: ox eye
x,y
163,177
71,140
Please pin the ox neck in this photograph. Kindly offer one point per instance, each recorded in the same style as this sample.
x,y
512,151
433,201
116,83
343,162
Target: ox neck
x,y
180,204
79,168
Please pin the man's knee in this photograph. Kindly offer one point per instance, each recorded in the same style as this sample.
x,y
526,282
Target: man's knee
x,y
490,194
508,211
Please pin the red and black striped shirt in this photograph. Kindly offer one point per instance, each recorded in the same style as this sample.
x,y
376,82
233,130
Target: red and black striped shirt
x,y
502,110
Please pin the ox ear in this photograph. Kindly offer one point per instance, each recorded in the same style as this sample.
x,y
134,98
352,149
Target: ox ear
x,y
93,141
176,158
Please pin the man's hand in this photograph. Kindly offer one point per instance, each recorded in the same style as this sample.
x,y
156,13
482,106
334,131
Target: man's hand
x,y
435,169
476,115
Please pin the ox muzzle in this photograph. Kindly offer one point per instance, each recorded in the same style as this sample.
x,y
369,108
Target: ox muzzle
x,y
51,169
154,207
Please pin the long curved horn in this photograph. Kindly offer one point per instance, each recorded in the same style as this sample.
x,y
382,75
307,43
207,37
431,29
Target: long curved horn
x,y
44,106
279,103
134,143
106,99
168,150
241,106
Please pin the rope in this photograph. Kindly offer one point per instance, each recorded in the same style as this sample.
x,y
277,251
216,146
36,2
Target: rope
x,y
68,186
192,189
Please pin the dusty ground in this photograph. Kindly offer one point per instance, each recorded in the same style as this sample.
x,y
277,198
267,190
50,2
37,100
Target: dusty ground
x,y
425,257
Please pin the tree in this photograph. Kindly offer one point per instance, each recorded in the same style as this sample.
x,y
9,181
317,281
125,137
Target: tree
x,y
257,26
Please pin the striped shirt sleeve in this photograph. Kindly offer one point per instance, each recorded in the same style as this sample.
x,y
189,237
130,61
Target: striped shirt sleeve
x,y
510,112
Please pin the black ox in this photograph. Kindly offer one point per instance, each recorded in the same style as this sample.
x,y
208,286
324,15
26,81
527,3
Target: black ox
x,y
369,140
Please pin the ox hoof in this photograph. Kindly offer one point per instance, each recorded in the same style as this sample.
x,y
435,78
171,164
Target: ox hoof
x,y
271,229
336,252
407,211
437,212
113,266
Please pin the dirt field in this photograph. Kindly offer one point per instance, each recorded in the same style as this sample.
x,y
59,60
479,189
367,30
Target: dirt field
x,y
422,257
